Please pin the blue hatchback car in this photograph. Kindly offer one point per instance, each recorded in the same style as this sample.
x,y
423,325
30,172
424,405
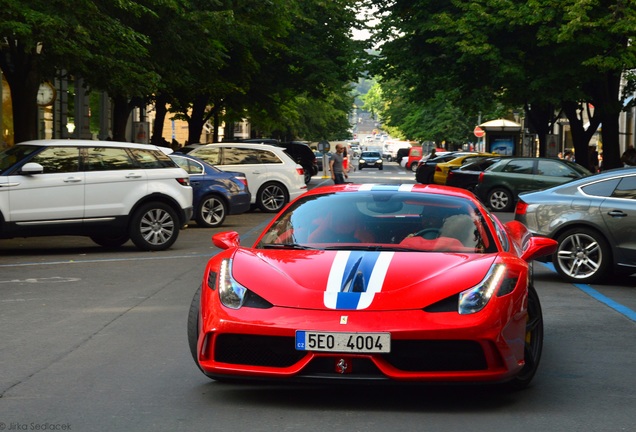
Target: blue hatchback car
x,y
216,193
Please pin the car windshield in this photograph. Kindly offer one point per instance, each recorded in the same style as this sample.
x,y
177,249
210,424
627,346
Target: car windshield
x,y
371,155
402,221
14,154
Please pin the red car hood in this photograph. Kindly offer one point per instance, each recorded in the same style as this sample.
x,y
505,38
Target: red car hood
x,y
352,280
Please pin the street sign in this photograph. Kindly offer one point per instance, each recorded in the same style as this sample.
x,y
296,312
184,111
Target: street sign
x,y
479,132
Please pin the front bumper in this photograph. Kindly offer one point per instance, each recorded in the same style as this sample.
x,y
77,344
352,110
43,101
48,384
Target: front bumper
x,y
425,347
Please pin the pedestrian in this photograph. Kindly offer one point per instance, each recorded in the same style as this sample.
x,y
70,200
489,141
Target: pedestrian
x,y
338,173
629,156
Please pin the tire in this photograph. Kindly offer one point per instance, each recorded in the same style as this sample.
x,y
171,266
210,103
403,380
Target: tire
x,y
110,241
193,326
360,167
582,256
307,175
271,197
413,167
533,341
211,212
500,199
154,227
380,168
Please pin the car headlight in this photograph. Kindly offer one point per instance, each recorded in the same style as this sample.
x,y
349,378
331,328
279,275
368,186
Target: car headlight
x,y
234,295
378,161
362,161
476,298
231,293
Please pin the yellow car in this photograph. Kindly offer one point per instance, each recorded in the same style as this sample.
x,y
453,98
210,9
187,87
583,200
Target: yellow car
x,y
441,169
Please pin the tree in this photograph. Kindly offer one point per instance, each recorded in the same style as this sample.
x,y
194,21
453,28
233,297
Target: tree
x,y
538,54
40,38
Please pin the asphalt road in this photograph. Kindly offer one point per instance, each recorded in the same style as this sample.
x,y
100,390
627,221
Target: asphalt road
x,y
95,340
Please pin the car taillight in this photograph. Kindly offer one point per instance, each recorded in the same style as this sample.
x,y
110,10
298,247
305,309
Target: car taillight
x,y
300,171
521,208
184,181
437,168
242,180
450,175
481,177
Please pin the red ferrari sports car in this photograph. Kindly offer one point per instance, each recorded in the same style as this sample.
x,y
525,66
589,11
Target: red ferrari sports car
x,y
373,282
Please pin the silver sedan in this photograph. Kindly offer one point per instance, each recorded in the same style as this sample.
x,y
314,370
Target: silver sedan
x,y
594,221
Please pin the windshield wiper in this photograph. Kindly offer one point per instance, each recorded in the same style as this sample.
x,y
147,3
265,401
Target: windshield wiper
x,y
286,246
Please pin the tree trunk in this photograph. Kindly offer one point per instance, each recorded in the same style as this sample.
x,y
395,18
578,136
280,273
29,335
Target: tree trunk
x,y
580,135
197,119
608,102
20,70
121,112
541,118
161,112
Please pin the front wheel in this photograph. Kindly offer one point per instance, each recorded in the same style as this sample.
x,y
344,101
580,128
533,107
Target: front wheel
x,y
533,341
271,197
413,167
210,212
193,326
500,199
154,227
582,256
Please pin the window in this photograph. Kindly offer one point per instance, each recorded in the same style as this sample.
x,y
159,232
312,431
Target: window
x,y
211,155
108,158
149,159
626,188
58,159
519,166
555,169
268,157
601,188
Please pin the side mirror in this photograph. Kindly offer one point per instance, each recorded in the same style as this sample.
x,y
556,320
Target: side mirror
x,y
31,168
538,247
226,240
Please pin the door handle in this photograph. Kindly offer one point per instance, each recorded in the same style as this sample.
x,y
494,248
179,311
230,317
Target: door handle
x,y
133,176
616,213
72,180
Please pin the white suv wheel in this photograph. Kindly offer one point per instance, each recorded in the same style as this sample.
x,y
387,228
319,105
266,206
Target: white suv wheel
x,y
154,227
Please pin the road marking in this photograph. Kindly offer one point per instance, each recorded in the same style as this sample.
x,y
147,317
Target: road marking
x,y
621,309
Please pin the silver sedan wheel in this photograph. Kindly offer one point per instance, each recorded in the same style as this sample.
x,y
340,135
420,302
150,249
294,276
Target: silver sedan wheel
x,y
582,255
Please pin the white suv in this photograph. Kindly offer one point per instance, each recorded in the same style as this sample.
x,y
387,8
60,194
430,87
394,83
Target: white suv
x,y
274,177
108,191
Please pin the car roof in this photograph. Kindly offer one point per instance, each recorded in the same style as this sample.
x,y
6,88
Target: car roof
x,y
93,143
244,145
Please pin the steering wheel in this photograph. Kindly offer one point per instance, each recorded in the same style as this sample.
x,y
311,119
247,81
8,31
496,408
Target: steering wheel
x,y
428,233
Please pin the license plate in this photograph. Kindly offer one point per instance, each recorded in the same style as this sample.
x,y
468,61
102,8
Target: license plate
x,y
343,342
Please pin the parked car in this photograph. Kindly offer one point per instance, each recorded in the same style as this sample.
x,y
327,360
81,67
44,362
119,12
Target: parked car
x,y
413,159
501,183
273,176
370,159
299,151
425,171
216,193
401,154
467,175
348,299
442,168
303,154
109,191
593,220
